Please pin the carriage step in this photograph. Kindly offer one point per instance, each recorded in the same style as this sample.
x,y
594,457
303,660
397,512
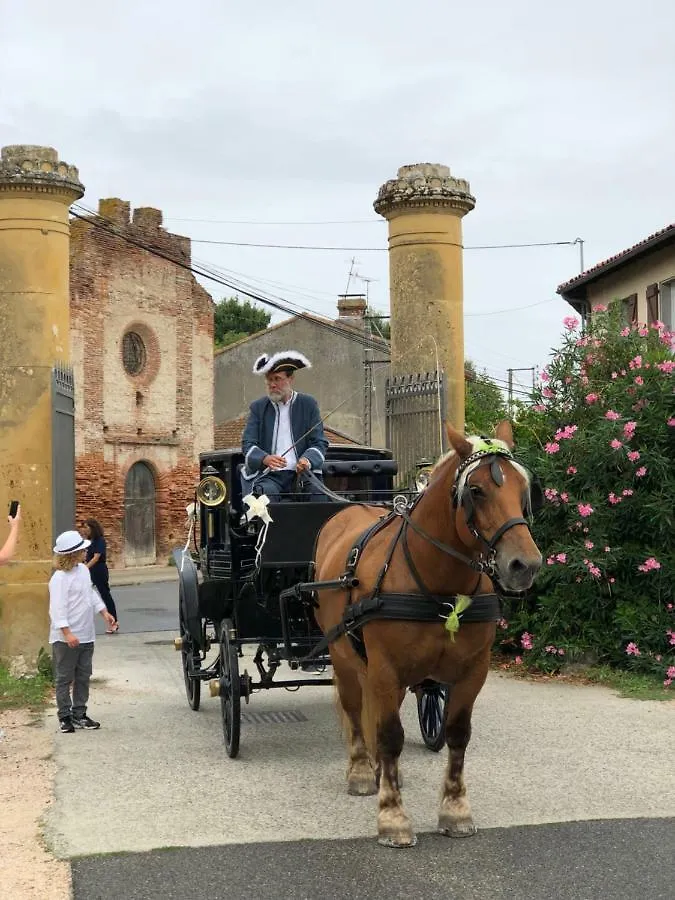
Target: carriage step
x,y
278,717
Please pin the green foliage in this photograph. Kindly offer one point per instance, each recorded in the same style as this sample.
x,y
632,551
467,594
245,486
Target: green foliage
x,y
484,402
601,438
234,319
30,691
380,327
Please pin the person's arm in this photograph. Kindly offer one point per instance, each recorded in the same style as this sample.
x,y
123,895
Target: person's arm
x,y
98,604
9,547
96,555
315,453
58,610
253,454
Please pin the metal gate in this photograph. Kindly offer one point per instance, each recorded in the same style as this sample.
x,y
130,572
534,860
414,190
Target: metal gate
x,y
63,450
139,516
414,407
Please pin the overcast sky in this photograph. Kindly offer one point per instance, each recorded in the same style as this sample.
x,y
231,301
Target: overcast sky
x,y
561,116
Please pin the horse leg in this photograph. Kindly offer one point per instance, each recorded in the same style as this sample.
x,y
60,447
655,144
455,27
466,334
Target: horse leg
x,y
455,818
385,736
360,771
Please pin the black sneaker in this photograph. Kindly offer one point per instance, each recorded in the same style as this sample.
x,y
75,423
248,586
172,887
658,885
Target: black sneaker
x,y
66,725
85,722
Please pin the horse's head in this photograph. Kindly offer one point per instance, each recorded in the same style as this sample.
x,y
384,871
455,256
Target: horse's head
x,y
491,495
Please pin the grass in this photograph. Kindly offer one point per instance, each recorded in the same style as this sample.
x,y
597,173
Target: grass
x,y
23,693
630,685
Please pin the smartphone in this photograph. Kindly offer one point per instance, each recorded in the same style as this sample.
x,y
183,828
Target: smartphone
x,y
13,508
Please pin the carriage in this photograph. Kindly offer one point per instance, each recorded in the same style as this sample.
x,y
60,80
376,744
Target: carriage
x,y
241,584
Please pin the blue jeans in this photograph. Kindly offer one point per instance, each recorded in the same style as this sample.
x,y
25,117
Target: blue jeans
x,y
273,484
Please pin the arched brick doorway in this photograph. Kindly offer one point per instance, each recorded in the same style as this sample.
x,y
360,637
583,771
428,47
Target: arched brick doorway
x,y
139,516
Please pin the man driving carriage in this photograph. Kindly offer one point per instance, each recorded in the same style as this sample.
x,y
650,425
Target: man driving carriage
x,y
284,435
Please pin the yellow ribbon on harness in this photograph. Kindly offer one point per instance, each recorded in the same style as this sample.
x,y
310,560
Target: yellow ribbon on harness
x,y
452,622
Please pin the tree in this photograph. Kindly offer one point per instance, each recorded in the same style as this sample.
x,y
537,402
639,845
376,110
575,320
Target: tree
x,y
234,319
483,402
380,326
601,438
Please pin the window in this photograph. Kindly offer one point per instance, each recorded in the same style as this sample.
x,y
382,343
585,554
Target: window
x,y
629,305
667,304
134,356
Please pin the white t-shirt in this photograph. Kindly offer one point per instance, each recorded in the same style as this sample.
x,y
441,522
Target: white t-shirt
x,y
73,603
285,435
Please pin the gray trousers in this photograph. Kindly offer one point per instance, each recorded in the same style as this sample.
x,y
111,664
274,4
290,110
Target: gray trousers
x,y
72,665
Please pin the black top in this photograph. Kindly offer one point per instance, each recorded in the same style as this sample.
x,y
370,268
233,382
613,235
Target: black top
x,y
99,571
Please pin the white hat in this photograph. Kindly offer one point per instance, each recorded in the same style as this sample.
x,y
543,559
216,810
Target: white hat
x,y
70,542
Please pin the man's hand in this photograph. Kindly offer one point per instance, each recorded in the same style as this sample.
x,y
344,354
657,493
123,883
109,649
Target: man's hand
x,y
271,461
71,639
303,465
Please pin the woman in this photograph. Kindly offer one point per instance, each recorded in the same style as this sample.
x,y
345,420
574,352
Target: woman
x,y
98,568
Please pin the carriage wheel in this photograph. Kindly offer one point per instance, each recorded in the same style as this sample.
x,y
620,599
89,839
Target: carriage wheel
x,y
191,664
230,689
432,701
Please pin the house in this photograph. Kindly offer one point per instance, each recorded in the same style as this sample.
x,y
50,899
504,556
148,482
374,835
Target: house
x,y
142,355
347,378
642,278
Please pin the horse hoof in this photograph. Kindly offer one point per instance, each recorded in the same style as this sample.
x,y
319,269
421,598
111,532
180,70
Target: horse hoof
x,y
397,842
457,829
361,787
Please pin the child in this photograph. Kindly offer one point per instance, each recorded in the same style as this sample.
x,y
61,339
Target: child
x,y
96,562
72,604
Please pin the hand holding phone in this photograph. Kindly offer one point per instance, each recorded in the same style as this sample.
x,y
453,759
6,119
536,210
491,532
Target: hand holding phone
x,y
14,508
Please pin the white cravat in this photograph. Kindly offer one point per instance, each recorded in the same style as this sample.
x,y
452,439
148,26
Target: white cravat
x,y
285,436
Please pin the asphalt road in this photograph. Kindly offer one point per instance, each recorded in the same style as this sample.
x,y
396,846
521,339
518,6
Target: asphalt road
x,y
573,792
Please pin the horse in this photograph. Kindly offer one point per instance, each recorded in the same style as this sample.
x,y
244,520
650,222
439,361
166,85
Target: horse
x,y
426,566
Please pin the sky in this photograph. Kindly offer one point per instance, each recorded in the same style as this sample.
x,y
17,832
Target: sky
x,y
233,118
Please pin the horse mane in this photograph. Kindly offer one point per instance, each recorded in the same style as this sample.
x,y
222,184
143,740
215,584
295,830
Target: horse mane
x,y
476,443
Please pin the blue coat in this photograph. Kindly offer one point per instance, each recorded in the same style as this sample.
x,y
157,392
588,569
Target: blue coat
x,y
260,434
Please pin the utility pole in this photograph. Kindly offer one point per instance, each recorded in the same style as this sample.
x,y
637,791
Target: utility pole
x,y
510,382
580,242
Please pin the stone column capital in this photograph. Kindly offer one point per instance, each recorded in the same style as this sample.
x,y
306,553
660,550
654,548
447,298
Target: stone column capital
x,y
30,169
423,185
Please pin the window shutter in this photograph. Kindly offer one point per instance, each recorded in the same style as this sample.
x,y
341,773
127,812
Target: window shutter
x,y
652,303
630,309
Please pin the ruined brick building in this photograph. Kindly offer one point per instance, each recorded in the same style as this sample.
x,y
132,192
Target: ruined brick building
x,y
142,354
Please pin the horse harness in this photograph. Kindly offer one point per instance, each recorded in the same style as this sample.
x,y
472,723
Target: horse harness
x,y
422,606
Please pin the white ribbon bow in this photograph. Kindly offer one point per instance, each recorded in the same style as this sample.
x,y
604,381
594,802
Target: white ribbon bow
x,y
257,506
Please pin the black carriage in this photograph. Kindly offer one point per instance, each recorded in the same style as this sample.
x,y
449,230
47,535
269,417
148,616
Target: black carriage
x,y
236,584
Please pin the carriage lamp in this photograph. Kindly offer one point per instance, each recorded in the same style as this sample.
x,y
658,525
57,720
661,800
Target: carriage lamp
x,y
211,490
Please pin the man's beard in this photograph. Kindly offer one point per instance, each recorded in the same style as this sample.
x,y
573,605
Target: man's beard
x,y
275,394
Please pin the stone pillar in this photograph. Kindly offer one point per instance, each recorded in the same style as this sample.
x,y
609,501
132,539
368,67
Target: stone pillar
x,y
36,190
424,206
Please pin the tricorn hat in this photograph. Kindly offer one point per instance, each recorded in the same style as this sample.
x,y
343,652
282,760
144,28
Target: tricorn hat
x,y
285,361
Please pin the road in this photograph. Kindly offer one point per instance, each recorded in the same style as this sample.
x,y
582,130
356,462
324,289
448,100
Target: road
x,y
572,788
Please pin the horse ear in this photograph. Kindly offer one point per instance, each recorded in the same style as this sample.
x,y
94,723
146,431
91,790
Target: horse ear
x,y
458,442
504,432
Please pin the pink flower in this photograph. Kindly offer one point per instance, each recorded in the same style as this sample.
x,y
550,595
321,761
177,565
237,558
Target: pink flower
x,y
550,649
641,472
544,375
548,393
627,492
671,423
585,510
633,455
566,433
599,308
650,565
550,561
561,652
591,398
518,660
671,635
503,624
624,332
564,496
615,445
572,470
614,376
611,415
670,672
632,649
629,430
636,362
539,407
552,447
570,322
568,379
526,641
612,580
667,682
561,558
639,381
667,367
657,325
588,545
607,549
595,571
613,499
643,332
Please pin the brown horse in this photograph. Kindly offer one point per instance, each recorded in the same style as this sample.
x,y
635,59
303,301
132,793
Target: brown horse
x,y
467,522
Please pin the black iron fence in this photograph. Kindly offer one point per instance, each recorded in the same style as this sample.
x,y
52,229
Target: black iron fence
x,y
63,449
414,407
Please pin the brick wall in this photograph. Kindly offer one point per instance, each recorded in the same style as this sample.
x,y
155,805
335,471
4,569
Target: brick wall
x,y
163,415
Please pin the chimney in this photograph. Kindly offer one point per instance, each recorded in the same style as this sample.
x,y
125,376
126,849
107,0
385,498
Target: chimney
x,y
352,309
147,218
115,210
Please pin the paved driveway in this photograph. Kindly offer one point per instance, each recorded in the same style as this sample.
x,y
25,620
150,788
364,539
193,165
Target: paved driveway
x,y
572,788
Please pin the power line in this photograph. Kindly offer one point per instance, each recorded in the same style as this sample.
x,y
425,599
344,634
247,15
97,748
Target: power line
x,y
373,249
254,222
